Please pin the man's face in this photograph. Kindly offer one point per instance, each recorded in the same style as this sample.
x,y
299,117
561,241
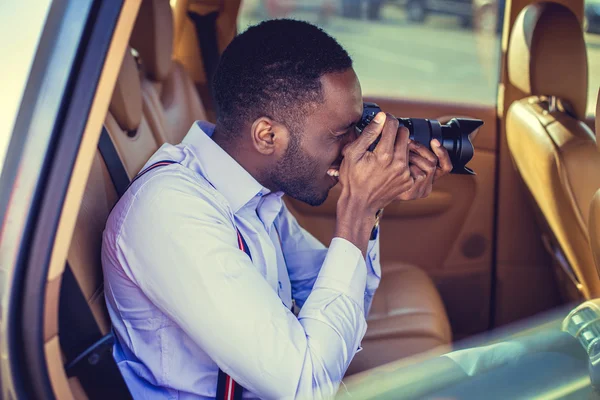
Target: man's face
x,y
302,171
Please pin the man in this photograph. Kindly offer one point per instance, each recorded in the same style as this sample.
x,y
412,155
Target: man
x,y
203,262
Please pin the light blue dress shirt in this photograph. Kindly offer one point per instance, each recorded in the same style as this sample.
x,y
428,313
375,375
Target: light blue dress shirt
x,y
184,300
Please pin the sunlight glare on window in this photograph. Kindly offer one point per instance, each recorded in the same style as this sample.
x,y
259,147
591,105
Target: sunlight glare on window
x,y
407,49
28,20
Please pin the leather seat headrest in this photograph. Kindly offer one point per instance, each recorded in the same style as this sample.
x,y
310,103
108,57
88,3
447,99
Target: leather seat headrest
x,y
152,37
547,55
126,102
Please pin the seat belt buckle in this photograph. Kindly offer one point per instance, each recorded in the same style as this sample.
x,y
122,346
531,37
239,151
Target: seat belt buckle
x,y
93,358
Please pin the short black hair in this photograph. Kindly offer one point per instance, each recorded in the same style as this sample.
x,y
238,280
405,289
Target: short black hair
x,y
273,69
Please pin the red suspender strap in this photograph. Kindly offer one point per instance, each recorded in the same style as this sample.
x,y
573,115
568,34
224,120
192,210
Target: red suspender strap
x,y
150,168
227,388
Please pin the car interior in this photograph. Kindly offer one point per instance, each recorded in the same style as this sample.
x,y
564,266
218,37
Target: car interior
x,y
520,237
593,221
553,150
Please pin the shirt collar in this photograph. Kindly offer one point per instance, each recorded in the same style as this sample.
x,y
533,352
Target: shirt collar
x,y
221,170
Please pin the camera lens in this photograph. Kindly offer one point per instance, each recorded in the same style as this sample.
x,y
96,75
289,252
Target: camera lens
x,y
454,135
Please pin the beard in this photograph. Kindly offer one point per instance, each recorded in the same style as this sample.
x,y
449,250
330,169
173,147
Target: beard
x,y
297,174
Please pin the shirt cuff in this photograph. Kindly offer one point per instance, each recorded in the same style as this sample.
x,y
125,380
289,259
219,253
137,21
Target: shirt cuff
x,y
344,270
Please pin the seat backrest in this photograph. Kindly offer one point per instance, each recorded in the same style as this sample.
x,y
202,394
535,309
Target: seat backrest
x,y
552,149
171,100
126,122
594,229
134,143
547,55
84,253
594,217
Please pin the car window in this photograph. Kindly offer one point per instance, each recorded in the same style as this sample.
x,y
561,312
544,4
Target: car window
x,y
411,49
591,26
26,18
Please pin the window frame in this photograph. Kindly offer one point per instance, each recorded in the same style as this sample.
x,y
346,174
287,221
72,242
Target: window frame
x,y
40,158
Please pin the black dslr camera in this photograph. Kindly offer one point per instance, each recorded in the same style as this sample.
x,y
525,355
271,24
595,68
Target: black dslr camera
x,y
454,135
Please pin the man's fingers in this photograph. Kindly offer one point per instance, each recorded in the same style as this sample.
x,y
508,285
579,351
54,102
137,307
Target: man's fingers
x,y
424,152
401,146
385,147
445,165
423,181
367,137
417,173
427,166
410,186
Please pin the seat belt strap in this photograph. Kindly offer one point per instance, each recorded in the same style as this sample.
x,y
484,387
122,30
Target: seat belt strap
x,y
116,170
206,32
88,353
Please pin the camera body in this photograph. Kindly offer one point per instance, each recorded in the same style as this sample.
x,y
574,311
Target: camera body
x,y
454,135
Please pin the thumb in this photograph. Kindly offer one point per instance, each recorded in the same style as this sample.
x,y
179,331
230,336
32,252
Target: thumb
x,y
368,135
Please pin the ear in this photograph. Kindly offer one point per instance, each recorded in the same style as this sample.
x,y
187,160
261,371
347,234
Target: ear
x,y
269,137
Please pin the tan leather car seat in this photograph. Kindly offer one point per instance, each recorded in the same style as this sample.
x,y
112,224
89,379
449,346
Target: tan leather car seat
x,y
84,253
134,143
126,123
594,217
407,317
170,97
594,229
552,149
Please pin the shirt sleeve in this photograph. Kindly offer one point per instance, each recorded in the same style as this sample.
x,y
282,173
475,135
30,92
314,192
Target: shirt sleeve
x,y
187,262
304,256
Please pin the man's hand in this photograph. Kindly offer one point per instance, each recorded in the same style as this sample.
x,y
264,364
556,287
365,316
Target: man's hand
x,y
398,169
371,180
374,179
425,168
